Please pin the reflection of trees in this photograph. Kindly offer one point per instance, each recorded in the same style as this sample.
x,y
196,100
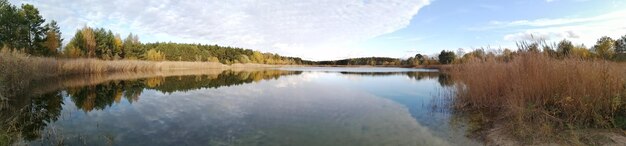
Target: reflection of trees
x,y
104,95
413,75
444,79
423,75
99,96
372,73
226,78
132,90
26,116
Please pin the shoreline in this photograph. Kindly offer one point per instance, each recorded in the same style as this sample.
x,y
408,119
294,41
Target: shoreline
x,y
497,136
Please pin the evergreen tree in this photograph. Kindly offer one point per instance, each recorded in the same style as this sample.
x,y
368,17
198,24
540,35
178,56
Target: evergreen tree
x,y
620,45
32,30
565,48
446,57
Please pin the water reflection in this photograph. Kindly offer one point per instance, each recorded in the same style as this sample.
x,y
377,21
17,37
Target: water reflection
x,y
24,116
104,95
443,78
220,108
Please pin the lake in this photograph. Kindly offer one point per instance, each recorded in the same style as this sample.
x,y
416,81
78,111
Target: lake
x,y
286,106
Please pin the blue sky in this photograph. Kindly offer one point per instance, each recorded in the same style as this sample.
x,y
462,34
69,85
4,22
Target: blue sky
x,y
451,24
334,29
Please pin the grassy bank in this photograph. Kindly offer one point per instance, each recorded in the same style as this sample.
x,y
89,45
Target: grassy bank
x,y
18,69
17,63
535,98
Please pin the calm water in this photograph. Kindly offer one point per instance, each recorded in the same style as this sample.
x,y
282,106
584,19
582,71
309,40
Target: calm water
x,y
291,106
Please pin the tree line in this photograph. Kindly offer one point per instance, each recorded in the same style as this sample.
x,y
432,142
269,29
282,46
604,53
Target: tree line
x,y
605,48
364,61
103,44
25,30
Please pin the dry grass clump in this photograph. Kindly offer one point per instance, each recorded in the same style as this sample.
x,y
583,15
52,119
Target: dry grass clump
x,y
536,96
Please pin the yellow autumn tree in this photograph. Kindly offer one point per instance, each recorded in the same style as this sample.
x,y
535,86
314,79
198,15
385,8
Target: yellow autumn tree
x,y
52,42
155,55
117,44
581,52
213,59
72,52
90,41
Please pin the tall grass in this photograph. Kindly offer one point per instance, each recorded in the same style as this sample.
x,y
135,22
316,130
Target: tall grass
x,y
18,69
14,61
534,96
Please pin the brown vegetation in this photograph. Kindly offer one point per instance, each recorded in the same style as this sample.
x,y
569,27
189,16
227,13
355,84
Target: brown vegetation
x,y
18,68
17,63
534,97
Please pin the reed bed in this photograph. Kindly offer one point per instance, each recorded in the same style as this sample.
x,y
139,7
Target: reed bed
x,y
18,69
17,63
534,96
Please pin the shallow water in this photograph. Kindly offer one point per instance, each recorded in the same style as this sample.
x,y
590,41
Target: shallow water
x,y
289,106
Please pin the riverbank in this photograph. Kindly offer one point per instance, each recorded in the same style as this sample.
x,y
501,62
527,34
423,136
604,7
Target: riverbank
x,y
20,66
18,69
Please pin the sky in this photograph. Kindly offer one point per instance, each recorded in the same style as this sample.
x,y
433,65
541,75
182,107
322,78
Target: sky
x,y
337,29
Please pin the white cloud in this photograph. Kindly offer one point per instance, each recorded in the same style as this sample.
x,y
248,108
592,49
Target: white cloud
x,y
289,27
541,35
580,30
561,21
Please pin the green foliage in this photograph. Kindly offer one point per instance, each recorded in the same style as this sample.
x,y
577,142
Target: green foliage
x,y
154,55
421,58
84,41
109,46
620,45
105,48
33,28
132,48
605,47
213,53
9,25
565,48
72,52
507,55
446,57
23,29
364,61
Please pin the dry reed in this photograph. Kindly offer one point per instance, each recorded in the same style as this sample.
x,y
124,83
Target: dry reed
x,y
17,69
17,63
535,96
